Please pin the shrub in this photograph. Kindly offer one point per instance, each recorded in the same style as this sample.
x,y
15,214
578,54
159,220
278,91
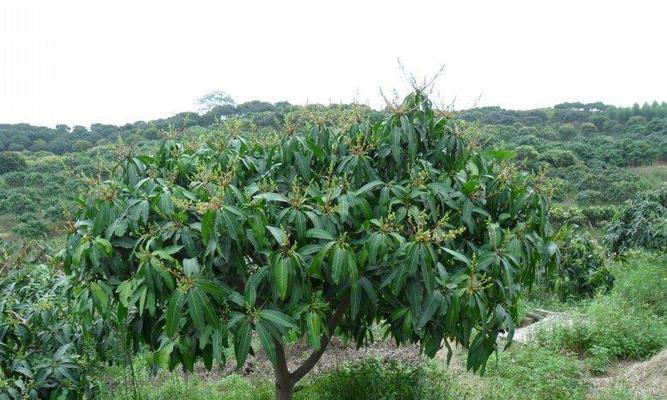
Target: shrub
x,y
17,203
10,161
566,215
31,226
15,179
567,131
588,127
590,196
35,179
373,379
559,158
583,270
599,215
42,342
642,222
532,372
81,145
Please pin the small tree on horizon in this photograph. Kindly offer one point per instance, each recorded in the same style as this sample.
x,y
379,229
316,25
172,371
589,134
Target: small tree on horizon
x,y
213,99
318,232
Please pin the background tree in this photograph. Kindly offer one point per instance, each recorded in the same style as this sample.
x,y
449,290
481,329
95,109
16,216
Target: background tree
x,y
10,161
213,99
567,131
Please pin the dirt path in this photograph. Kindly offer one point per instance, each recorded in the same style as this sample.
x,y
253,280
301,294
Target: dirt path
x,y
535,321
645,378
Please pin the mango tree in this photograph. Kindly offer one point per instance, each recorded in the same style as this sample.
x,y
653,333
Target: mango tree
x,y
319,232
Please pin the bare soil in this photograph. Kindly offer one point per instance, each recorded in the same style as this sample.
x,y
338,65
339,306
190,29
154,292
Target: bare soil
x,y
645,378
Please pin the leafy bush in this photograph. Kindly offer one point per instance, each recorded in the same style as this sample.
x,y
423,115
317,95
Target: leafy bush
x,y
42,344
17,203
31,226
581,216
567,131
10,161
583,270
566,215
373,380
642,222
590,196
532,372
15,178
598,215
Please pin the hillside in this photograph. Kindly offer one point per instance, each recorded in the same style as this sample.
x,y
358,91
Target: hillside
x,y
594,155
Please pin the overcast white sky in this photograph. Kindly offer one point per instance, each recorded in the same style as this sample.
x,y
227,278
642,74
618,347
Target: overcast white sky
x,y
79,62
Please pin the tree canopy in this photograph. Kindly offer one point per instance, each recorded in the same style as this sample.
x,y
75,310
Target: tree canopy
x,y
317,231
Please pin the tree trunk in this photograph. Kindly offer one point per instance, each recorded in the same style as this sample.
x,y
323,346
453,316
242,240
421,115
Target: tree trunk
x,y
285,380
284,391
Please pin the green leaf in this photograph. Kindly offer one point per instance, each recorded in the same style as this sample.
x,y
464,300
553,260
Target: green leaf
x,y
368,187
207,226
266,340
163,355
432,306
458,255
242,343
277,318
281,276
166,252
196,309
370,291
396,143
466,215
317,233
355,299
272,197
218,291
166,205
100,297
314,326
191,267
338,264
173,316
279,235
105,245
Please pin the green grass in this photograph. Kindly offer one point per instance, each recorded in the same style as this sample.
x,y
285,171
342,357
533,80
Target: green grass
x,y
175,386
651,176
627,324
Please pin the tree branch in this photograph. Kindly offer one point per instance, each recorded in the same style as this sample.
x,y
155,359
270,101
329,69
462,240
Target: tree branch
x,y
283,376
332,323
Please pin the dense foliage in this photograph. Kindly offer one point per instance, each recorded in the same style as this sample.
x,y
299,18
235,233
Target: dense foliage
x,y
641,223
582,269
397,222
42,343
